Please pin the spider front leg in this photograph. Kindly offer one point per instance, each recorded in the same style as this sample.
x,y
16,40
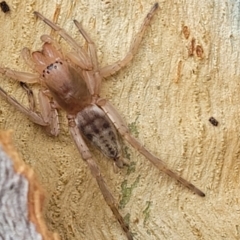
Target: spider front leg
x,y
85,61
113,68
31,100
87,157
48,116
47,106
49,112
93,78
118,122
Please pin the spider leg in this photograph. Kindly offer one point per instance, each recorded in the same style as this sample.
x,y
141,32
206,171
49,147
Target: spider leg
x,y
84,60
91,45
48,39
33,116
56,16
93,78
118,122
87,157
20,76
27,55
113,68
48,109
31,100
80,57
48,116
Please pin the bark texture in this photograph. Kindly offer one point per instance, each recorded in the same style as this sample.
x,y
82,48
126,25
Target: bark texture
x,y
185,72
21,197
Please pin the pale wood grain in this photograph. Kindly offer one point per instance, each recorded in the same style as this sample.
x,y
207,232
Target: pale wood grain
x,y
168,93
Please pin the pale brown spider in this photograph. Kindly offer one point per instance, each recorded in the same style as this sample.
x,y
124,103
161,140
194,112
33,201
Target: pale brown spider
x,y
73,83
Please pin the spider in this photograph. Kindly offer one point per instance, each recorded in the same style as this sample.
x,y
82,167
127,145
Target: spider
x,y
72,82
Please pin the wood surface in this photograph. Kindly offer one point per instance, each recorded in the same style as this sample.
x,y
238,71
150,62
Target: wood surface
x,y
186,71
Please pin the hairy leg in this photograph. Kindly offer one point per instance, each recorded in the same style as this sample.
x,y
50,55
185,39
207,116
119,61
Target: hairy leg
x,y
87,157
123,130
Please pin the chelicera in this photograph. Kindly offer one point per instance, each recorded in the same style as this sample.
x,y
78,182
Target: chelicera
x,y
72,82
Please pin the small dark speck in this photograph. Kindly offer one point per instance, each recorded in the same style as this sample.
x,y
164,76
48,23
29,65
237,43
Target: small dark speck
x,y
106,125
50,67
96,130
89,136
4,6
213,121
112,151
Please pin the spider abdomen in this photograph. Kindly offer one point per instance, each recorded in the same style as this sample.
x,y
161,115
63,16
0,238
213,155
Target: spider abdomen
x,y
97,128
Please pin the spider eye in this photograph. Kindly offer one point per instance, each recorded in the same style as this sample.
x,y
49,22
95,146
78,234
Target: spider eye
x,y
50,67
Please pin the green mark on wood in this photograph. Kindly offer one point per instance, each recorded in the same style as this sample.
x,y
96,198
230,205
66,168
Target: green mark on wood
x,y
127,192
132,165
133,127
131,168
127,218
126,153
146,212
